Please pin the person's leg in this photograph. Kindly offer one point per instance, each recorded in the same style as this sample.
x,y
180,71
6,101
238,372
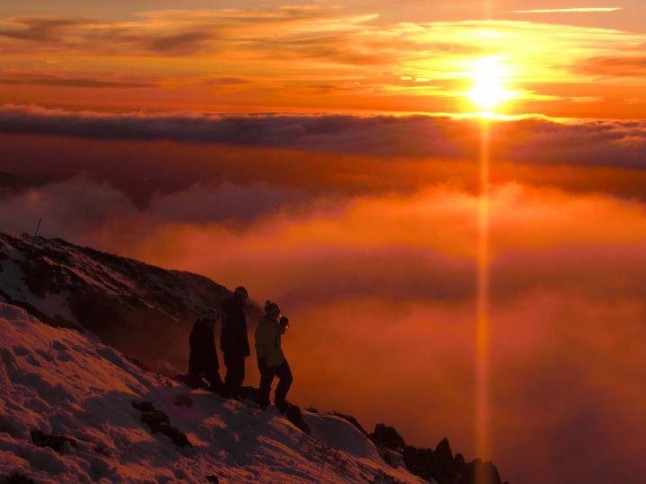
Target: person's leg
x,y
235,373
266,379
194,378
284,373
229,363
238,375
212,374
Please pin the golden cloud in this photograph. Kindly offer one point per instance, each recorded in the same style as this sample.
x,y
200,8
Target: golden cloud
x,y
353,56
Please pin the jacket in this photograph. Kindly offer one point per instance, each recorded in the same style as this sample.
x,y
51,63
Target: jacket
x,y
268,342
233,338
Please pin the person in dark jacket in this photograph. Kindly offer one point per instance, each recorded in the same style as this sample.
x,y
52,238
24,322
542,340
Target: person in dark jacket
x,y
234,341
203,359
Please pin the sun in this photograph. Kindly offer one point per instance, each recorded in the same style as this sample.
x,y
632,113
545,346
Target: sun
x,y
488,89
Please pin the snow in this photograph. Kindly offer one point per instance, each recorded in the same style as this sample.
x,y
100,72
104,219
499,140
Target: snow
x,y
13,284
82,267
337,433
66,383
124,301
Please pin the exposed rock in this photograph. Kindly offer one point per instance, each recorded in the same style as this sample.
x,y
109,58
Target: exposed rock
x,y
143,406
56,442
17,478
443,451
431,465
478,472
158,421
295,416
155,419
387,437
440,465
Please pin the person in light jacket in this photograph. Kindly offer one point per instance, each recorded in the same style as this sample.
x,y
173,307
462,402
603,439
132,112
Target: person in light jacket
x,y
271,359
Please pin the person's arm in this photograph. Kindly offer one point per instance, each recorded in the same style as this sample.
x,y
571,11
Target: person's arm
x,y
284,324
261,342
225,331
245,336
240,338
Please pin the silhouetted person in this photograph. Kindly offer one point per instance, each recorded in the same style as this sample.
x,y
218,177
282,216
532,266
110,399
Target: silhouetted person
x,y
234,341
203,359
271,360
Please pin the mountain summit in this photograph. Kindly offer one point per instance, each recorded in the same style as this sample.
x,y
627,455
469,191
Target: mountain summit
x,y
75,408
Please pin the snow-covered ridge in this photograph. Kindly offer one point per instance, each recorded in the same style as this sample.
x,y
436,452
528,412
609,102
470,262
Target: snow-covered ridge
x,y
125,302
65,383
70,384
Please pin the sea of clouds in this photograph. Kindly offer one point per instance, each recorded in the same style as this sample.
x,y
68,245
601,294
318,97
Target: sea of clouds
x,y
365,230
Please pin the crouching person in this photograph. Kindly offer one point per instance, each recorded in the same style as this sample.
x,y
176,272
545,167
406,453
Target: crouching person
x,y
203,359
271,360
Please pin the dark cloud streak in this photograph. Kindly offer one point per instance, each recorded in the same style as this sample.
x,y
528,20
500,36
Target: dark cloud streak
x,y
31,79
526,140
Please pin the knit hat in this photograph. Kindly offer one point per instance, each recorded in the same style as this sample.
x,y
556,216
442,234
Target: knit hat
x,y
271,308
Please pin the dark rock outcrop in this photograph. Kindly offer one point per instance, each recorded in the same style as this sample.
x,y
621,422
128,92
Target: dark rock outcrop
x,y
56,442
17,478
478,472
158,421
439,464
387,437
295,416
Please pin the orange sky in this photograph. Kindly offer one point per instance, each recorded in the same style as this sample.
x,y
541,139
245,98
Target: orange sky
x,y
364,227
312,56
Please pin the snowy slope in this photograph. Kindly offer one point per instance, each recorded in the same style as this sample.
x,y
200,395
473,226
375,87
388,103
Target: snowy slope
x,y
125,302
62,382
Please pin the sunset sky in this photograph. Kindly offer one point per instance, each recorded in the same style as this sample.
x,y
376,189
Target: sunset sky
x,y
326,155
561,59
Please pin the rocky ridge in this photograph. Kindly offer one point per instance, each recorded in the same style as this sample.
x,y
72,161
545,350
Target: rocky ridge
x,y
126,302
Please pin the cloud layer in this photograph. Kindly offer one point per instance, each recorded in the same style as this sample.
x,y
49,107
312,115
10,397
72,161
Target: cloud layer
x,y
365,230
364,227
380,290
523,140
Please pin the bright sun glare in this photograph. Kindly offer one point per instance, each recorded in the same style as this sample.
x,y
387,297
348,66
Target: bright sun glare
x,y
488,88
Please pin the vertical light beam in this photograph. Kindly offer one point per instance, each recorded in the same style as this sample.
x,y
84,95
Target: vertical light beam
x,y
483,436
483,443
